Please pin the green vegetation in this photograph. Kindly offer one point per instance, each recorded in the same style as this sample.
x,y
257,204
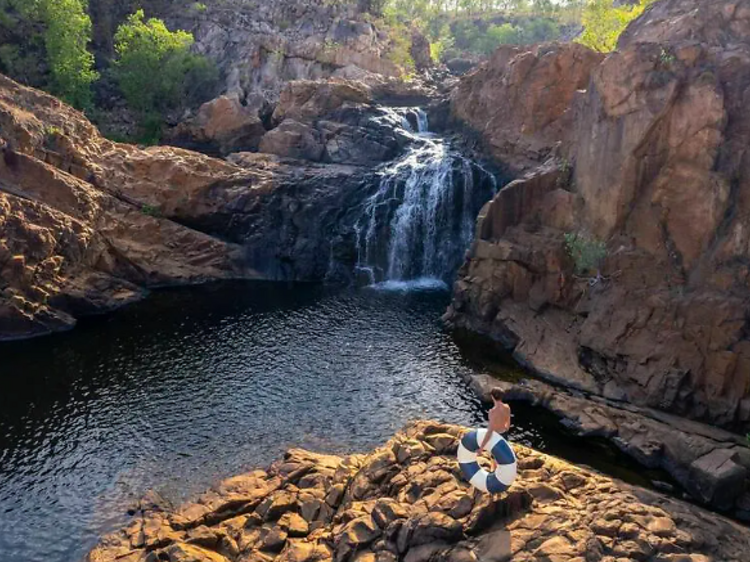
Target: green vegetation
x,y
666,57
66,38
603,23
154,65
52,37
480,26
155,69
587,252
45,44
151,211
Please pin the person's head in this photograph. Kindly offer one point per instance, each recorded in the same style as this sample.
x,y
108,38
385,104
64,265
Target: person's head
x,y
497,395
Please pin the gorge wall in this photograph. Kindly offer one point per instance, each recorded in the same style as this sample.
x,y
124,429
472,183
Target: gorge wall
x,y
89,225
647,151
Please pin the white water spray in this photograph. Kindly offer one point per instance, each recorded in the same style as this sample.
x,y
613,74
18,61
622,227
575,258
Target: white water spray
x,y
420,221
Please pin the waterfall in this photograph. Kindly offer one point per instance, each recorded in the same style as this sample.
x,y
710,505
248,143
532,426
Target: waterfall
x,y
419,221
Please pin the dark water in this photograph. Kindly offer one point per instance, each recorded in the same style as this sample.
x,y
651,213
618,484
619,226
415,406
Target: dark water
x,y
195,385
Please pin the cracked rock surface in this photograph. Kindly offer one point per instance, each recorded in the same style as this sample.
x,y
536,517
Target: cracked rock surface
x,y
407,501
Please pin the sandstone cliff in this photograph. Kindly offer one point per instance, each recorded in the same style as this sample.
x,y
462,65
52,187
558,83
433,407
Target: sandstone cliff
x,y
649,157
408,501
88,224
79,225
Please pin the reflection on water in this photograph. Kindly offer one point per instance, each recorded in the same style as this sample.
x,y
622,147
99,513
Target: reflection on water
x,y
196,385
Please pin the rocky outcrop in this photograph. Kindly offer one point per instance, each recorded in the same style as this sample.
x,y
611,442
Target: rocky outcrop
x,y
221,126
711,465
333,121
88,225
408,501
75,236
355,134
522,101
307,100
657,171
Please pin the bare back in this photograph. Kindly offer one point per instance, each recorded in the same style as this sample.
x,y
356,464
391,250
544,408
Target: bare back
x,y
499,418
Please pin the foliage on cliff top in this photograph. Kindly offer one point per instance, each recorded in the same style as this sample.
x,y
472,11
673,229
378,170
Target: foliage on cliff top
x,y
454,27
603,23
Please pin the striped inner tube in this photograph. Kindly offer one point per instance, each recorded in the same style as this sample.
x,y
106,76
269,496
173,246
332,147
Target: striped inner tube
x,y
494,482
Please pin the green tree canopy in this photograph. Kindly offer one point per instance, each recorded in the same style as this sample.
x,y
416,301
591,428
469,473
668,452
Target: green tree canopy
x,y
151,62
66,35
603,23
156,70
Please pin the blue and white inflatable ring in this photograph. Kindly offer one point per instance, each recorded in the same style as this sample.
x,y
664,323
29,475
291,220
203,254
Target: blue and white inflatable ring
x,y
495,482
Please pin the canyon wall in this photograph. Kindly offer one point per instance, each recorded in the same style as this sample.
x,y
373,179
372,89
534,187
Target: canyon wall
x,y
646,151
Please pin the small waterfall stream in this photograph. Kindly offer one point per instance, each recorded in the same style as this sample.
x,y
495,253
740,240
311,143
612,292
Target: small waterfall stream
x,y
420,220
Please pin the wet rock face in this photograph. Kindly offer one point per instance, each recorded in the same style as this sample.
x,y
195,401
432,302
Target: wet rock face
x,y
651,163
406,501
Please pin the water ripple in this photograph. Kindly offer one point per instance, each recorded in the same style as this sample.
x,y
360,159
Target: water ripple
x,y
193,386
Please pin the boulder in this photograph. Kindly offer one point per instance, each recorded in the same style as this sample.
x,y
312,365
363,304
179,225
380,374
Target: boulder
x,y
433,527
221,126
718,479
305,100
293,139
356,534
190,553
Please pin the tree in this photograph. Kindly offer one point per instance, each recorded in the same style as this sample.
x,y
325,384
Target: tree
x,y
155,68
67,33
604,23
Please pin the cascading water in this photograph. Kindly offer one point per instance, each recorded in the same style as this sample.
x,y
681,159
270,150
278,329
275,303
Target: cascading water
x,y
419,222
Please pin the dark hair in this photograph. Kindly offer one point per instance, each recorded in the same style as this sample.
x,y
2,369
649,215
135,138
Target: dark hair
x,y
497,393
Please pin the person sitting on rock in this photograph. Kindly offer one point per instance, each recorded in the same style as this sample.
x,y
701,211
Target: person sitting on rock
x,y
499,420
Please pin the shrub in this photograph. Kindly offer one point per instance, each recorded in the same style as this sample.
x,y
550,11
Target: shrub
x,y
150,210
587,253
154,67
